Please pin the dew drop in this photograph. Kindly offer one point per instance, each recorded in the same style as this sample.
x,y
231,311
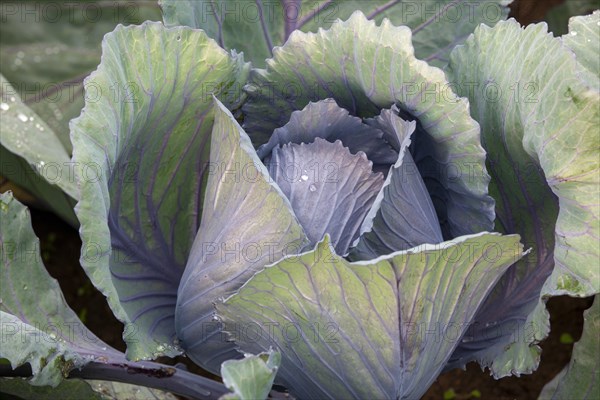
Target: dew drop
x,y
42,163
53,336
103,348
312,188
20,54
467,339
25,287
4,106
30,118
12,99
160,348
304,178
574,33
3,206
23,117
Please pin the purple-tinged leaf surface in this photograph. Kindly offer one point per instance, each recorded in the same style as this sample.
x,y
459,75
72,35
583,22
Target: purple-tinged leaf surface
x,y
356,64
247,223
540,130
145,142
403,215
39,328
326,120
330,190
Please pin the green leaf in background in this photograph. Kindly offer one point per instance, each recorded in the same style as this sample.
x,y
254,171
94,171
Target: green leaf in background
x,y
558,16
248,223
255,27
147,153
539,122
356,64
33,157
252,377
580,379
584,40
47,48
46,334
360,330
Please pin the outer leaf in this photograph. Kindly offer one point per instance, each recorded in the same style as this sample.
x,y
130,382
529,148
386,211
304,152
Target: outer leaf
x,y
255,27
580,379
247,224
48,48
33,156
357,65
376,329
46,334
147,158
40,329
541,134
584,39
252,377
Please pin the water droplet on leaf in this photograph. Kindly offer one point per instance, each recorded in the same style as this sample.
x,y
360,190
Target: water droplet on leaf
x,y
4,106
23,117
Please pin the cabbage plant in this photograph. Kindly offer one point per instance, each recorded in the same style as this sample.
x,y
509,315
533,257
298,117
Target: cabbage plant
x,y
375,203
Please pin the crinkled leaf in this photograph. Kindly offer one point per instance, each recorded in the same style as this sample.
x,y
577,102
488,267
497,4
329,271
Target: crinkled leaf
x,y
252,377
403,215
146,154
584,40
580,379
247,223
330,190
357,65
33,157
255,27
539,123
325,119
375,329
558,16
46,334
47,49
